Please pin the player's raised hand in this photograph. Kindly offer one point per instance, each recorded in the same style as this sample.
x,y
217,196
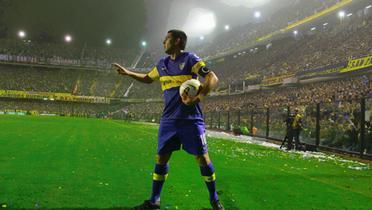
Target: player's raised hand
x,y
121,70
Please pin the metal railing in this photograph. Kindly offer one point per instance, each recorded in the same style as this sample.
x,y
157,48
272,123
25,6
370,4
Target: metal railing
x,y
344,126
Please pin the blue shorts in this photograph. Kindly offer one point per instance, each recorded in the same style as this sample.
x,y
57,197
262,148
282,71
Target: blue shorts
x,y
188,133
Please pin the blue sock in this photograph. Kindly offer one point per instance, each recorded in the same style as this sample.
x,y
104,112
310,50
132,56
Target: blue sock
x,y
210,180
159,176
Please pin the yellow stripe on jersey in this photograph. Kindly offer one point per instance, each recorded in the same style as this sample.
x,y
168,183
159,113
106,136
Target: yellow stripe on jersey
x,y
168,82
197,66
158,177
153,74
210,178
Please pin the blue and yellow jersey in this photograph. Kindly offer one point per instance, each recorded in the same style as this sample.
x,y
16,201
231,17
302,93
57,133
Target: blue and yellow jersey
x,y
171,74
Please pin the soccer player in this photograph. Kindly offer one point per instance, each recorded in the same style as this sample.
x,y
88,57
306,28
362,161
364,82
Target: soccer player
x,y
182,122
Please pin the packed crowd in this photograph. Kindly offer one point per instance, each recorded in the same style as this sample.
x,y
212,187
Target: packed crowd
x,y
284,56
330,44
347,89
27,51
242,35
321,92
294,11
76,82
33,51
293,54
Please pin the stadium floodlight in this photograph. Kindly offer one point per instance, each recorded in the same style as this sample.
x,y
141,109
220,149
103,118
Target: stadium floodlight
x,y
295,32
341,14
68,38
21,34
200,22
257,14
350,14
227,27
369,6
201,38
108,41
144,43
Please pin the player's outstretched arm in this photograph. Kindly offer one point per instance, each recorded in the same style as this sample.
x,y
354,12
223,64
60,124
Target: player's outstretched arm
x,y
137,76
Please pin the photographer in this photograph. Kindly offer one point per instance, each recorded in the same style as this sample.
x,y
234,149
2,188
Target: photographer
x,y
289,133
296,127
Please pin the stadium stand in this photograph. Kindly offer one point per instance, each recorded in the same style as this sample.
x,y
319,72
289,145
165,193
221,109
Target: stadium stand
x,y
33,52
240,36
76,82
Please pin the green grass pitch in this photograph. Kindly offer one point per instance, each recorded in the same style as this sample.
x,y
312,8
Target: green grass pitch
x,y
71,163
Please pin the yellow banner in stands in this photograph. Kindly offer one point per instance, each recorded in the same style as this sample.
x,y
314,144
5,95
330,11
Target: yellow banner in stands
x,y
251,76
357,64
315,16
275,80
52,96
318,14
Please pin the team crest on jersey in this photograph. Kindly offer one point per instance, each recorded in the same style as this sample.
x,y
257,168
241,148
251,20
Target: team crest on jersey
x,y
181,66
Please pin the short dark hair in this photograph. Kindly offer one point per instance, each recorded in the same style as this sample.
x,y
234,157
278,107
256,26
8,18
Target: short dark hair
x,y
181,35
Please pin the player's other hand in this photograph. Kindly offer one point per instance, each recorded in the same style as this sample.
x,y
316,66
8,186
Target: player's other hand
x,y
188,100
121,70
